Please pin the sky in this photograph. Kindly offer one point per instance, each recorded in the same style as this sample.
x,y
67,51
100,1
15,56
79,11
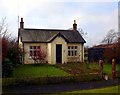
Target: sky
x,y
95,17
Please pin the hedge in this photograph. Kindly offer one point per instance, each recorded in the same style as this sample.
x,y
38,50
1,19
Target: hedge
x,y
49,80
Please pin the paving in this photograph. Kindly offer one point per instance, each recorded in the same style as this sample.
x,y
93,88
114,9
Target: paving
x,y
58,88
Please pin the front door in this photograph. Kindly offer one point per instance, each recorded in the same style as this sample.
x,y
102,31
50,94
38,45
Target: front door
x,y
58,53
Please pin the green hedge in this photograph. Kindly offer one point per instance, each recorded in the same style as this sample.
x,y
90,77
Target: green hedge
x,y
49,80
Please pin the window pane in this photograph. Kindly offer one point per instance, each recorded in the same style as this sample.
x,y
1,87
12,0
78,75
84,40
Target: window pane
x,y
72,47
34,47
75,53
30,47
68,47
34,53
30,53
75,47
68,53
38,47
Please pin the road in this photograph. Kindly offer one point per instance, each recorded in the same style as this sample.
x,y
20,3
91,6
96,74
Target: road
x,y
57,88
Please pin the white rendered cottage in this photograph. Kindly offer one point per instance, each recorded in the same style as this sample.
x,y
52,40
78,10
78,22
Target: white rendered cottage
x,y
61,46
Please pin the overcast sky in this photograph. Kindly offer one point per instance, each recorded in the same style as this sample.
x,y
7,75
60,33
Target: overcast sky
x,y
95,17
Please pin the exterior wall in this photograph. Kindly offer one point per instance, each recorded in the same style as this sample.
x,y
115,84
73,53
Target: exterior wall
x,y
27,58
20,43
21,47
80,53
49,49
52,47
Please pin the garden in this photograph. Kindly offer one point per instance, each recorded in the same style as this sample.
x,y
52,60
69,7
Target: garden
x,y
60,73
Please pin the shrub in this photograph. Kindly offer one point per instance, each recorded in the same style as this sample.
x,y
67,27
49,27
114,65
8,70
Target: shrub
x,y
49,80
7,68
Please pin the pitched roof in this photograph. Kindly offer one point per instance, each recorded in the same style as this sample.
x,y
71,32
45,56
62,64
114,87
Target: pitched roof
x,y
47,35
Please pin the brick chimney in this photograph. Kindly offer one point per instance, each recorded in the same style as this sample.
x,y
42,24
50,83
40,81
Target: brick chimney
x,y
74,26
21,24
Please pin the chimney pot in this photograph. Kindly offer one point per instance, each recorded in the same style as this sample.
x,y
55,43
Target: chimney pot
x,y
74,21
21,19
21,23
74,26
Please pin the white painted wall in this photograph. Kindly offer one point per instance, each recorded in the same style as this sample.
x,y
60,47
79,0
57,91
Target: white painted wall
x,y
58,40
20,42
50,48
80,52
27,58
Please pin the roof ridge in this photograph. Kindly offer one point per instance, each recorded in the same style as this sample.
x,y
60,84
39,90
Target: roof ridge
x,y
47,29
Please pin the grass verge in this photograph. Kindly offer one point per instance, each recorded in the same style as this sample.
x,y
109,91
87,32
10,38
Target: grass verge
x,y
113,89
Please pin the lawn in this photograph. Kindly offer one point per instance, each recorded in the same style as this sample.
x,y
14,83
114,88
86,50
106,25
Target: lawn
x,y
107,68
24,71
62,73
113,89
60,70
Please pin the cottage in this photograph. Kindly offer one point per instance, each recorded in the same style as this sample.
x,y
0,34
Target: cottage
x,y
60,46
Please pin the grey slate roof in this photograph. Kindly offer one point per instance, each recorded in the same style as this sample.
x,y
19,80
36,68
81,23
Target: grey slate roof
x,y
47,35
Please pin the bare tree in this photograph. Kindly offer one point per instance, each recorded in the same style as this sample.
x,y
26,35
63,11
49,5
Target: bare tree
x,y
4,33
110,37
83,34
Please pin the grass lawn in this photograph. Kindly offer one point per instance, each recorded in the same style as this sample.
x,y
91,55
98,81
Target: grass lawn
x,y
60,70
32,74
107,68
24,71
113,89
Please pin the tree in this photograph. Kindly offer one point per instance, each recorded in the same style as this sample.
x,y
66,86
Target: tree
x,y
39,56
4,48
83,34
6,64
110,37
118,51
113,52
10,51
4,33
14,52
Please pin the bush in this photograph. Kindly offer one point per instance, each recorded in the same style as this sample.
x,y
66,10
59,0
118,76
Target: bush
x,y
7,68
14,53
49,80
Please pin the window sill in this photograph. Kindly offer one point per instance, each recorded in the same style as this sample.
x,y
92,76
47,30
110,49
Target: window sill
x,y
73,56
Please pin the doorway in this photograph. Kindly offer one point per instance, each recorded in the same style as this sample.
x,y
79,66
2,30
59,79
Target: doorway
x,y
58,53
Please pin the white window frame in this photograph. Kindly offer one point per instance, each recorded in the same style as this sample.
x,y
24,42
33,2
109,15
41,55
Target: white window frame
x,y
33,49
72,51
